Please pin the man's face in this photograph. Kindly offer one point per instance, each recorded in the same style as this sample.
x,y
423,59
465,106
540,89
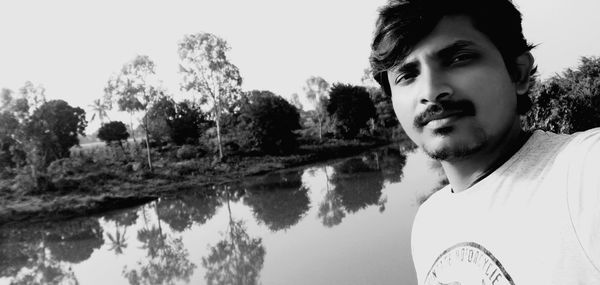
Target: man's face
x,y
453,94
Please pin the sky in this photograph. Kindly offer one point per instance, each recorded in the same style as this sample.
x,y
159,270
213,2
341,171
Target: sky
x,y
73,47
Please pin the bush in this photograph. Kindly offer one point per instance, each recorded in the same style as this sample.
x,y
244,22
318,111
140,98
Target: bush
x,y
187,167
269,121
186,152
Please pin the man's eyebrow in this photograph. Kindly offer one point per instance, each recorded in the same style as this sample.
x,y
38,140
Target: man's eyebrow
x,y
445,52
454,47
405,66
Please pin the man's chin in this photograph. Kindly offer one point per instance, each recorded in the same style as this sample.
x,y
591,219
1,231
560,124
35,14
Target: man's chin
x,y
452,152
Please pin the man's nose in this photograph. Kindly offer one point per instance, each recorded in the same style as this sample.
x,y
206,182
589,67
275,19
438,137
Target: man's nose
x,y
435,86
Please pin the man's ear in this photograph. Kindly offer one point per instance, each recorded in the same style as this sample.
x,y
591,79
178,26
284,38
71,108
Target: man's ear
x,y
524,67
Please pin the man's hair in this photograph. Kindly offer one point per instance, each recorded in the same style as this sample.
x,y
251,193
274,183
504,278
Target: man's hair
x,y
403,23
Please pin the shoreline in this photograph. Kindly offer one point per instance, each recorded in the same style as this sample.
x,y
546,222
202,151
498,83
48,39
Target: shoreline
x,y
110,189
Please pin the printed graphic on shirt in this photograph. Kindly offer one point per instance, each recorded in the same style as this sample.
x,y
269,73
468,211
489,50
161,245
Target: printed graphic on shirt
x,y
467,264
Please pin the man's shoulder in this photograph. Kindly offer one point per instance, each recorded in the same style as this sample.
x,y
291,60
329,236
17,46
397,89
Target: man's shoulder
x,y
578,147
590,138
433,203
546,147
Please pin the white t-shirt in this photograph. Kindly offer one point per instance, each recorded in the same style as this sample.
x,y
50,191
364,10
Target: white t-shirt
x,y
535,220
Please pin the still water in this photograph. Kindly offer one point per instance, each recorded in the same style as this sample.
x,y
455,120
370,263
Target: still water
x,y
343,222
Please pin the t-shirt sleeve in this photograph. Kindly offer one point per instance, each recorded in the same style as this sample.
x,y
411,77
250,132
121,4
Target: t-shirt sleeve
x,y
583,192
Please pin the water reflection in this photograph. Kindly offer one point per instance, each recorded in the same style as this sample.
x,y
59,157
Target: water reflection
x,y
121,220
222,235
278,200
181,212
43,254
357,183
166,260
237,258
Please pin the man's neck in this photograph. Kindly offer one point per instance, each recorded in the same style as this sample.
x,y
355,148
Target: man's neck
x,y
464,173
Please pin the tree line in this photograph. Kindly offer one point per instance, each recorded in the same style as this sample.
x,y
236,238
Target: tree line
x,y
222,119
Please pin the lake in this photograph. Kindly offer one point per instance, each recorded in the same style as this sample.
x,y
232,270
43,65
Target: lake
x,y
342,222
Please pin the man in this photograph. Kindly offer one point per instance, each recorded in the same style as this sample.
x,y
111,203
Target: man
x,y
521,208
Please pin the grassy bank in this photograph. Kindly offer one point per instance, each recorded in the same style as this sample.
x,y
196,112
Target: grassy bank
x,y
104,178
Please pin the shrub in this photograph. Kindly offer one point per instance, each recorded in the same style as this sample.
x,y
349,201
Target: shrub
x,y
270,122
186,152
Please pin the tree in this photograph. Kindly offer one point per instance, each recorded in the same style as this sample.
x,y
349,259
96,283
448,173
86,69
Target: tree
x,y
180,122
114,131
8,126
54,127
207,71
569,102
99,108
351,107
157,118
134,90
270,121
316,90
367,79
295,101
385,116
187,122
34,95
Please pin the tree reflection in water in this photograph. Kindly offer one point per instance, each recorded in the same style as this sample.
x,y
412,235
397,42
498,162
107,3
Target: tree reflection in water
x,y
238,258
167,260
278,200
122,220
392,161
181,212
42,254
357,183
331,210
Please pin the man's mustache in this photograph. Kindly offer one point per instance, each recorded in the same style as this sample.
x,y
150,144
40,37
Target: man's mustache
x,y
442,109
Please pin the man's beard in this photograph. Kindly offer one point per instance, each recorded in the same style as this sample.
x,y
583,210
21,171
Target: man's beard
x,y
462,108
458,152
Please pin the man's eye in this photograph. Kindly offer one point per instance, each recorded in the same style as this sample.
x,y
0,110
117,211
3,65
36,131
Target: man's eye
x,y
405,77
461,57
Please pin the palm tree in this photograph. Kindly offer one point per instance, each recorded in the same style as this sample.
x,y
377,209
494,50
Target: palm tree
x,y
99,108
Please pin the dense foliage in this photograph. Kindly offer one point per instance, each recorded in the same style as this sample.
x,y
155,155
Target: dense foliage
x,y
54,127
179,122
569,102
351,109
114,131
270,121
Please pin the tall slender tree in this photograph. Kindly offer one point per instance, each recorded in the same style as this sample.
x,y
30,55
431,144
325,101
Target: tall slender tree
x,y
317,92
207,71
135,89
